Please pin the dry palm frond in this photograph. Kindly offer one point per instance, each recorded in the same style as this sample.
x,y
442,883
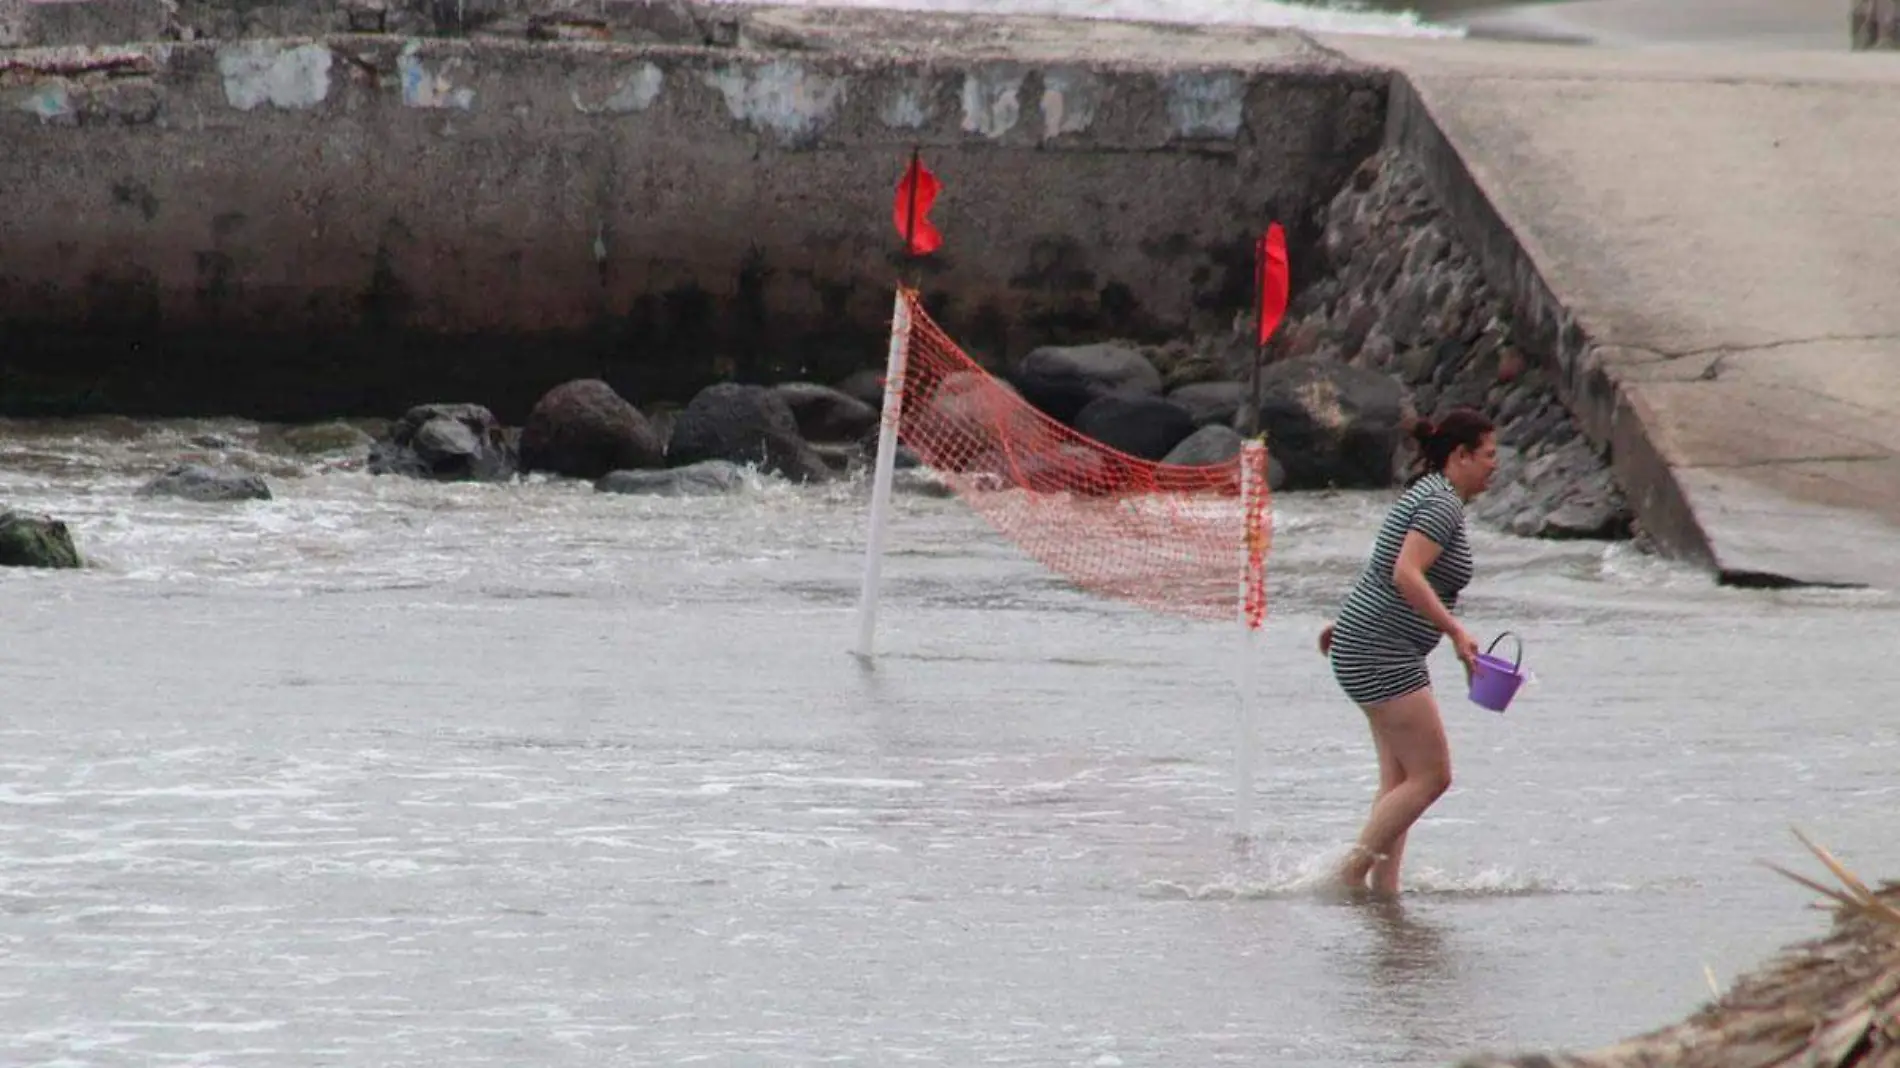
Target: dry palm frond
x,y
1858,898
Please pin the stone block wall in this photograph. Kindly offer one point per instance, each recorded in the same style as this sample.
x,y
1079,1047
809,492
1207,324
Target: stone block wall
x,y
310,226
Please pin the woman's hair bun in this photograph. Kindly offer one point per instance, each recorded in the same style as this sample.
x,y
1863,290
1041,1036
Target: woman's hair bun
x,y
1424,429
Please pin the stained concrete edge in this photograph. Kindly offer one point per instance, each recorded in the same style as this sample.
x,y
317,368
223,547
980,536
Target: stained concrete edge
x,y
1590,386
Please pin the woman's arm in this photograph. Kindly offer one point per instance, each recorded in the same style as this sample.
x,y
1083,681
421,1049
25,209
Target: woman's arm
x,y
1408,575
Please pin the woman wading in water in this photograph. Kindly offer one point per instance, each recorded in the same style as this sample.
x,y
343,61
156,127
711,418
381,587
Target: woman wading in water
x,y
1392,618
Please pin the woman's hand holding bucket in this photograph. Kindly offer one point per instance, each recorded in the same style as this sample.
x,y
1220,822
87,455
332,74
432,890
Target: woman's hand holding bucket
x,y
1466,647
1494,680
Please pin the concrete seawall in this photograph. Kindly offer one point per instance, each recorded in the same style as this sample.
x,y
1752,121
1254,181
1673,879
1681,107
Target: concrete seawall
x,y
291,228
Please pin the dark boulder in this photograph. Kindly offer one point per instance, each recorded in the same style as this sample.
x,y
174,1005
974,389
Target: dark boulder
x,y
197,482
35,541
825,414
1332,424
1210,402
744,424
1206,447
1072,468
1141,426
1215,444
584,429
704,479
970,417
445,442
1062,379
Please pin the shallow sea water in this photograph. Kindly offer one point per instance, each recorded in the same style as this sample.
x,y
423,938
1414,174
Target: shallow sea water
x,y
390,773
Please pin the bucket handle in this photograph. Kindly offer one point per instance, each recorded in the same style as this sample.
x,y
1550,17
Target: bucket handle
x,y
1517,661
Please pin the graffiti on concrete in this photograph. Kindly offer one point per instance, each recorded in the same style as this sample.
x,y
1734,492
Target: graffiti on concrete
x,y
786,98
992,102
1069,99
909,106
636,92
256,73
1206,105
423,88
52,102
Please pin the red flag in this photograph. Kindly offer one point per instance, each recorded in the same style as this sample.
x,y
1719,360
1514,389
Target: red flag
x,y
1270,280
916,192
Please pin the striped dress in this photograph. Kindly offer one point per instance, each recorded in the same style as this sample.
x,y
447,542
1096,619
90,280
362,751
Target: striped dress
x,y
1379,640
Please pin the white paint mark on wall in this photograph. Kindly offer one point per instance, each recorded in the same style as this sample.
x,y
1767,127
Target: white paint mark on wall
x,y
260,72
1069,100
51,101
1206,105
636,92
423,88
783,97
13,32
639,91
992,100
909,107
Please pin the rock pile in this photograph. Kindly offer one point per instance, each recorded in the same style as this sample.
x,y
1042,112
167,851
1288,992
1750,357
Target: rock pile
x,y
1401,324
800,431
1402,297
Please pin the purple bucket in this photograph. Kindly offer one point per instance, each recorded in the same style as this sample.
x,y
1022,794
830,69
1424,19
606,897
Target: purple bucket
x,y
1494,680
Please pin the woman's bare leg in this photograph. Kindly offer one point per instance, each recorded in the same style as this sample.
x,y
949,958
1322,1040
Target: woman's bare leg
x,y
1410,735
1385,868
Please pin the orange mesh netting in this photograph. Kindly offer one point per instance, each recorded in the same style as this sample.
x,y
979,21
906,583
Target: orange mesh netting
x,y
1178,540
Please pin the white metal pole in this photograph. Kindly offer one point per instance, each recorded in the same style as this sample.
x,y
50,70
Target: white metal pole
x,y
884,470
1244,745
1253,562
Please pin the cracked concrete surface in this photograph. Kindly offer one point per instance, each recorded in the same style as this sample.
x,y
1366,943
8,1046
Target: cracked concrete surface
x,y
1705,220
1723,350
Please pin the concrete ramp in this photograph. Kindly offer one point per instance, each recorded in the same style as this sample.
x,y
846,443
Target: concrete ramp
x,y
1705,244
1737,24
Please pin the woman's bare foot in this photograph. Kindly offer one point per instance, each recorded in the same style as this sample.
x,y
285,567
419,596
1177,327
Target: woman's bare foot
x,y
1354,870
1342,890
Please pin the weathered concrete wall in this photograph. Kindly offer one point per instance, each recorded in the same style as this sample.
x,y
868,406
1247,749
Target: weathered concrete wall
x,y
35,24
64,23
290,228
